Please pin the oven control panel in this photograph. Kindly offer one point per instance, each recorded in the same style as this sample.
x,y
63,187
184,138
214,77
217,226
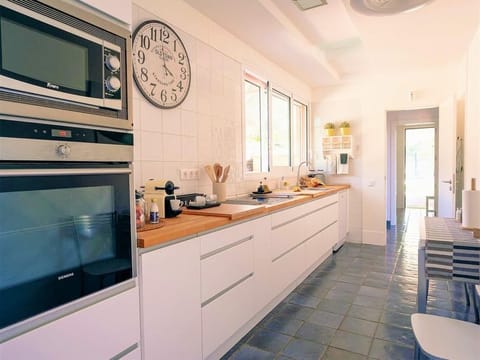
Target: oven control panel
x,y
21,141
40,131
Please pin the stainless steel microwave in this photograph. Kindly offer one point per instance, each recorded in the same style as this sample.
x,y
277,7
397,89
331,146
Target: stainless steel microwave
x,y
60,62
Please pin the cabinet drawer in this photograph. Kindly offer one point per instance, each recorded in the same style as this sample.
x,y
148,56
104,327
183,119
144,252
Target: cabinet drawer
x,y
222,270
226,314
288,235
225,238
297,212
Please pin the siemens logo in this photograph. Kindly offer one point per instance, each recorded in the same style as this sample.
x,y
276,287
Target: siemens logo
x,y
66,276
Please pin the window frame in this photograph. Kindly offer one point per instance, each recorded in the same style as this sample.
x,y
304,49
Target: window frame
x,y
305,127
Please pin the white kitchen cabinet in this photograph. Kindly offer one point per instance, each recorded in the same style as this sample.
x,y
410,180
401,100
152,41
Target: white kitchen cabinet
x,y
298,240
118,9
230,273
101,331
342,216
170,302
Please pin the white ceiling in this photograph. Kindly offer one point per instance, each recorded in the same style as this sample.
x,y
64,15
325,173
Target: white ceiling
x,y
332,44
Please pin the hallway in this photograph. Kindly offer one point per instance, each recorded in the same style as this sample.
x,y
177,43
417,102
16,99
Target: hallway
x,y
356,305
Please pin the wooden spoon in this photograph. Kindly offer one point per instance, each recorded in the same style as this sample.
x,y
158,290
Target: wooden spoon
x,y
218,169
210,172
225,173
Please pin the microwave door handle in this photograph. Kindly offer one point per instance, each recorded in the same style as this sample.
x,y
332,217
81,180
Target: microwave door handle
x,y
53,172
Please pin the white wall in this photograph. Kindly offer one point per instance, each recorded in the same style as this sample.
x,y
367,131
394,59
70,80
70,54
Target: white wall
x,y
376,95
207,127
472,113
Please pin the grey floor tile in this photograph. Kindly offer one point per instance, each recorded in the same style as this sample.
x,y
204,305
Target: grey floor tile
x,y
338,354
370,301
304,300
246,352
358,326
366,313
316,333
340,295
325,318
351,342
373,291
334,306
402,336
295,311
284,324
304,350
382,349
269,340
396,319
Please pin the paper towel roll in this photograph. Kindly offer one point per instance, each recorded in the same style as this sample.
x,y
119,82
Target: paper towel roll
x,y
471,209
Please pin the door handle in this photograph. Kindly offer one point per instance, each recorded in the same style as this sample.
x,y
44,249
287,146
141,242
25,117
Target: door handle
x,y
447,182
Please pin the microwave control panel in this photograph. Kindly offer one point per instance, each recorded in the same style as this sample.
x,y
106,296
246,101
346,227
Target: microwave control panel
x,y
112,81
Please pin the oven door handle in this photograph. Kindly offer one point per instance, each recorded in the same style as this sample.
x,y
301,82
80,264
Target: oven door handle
x,y
54,172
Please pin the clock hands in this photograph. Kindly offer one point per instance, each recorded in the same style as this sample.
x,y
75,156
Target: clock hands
x,y
167,71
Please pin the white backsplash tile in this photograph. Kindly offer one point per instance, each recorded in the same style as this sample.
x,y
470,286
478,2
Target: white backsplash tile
x,y
172,121
203,52
150,117
151,144
189,123
172,147
189,148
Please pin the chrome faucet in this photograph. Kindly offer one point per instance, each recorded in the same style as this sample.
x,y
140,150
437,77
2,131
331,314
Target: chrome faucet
x,y
298,171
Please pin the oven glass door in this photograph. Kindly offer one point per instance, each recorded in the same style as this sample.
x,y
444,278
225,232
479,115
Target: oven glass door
x,y
64,234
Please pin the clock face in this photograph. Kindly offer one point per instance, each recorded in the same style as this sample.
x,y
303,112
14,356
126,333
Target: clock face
x,y
161,67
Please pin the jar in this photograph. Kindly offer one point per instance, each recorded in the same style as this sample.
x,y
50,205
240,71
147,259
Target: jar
x,y
139,210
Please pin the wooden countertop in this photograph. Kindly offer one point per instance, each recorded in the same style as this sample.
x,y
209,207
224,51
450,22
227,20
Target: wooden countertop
x,y
191,223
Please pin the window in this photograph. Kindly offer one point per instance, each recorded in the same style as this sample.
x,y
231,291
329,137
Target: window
x,y
280,129
276,127
299,132
256,125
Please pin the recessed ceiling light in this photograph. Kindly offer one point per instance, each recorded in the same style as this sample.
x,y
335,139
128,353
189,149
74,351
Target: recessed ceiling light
x,y
309,4
386,7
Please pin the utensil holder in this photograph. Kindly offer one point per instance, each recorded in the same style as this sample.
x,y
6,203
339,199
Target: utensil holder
x,y
220,189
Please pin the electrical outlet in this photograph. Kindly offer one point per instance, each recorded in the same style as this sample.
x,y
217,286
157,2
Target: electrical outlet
x,y
189,174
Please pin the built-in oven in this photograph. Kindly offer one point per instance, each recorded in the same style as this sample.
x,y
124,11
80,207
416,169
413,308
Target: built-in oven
x,y
66,230
59,62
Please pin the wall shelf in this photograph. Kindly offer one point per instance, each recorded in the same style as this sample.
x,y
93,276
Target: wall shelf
x,y
337,144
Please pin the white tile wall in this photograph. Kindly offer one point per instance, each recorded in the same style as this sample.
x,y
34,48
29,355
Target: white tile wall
x,y
204,129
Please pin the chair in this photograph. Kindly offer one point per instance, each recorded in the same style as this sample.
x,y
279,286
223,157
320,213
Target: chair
x,y
445,338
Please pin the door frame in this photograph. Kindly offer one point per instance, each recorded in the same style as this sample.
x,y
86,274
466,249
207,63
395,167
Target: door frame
x,y
401,161
426,117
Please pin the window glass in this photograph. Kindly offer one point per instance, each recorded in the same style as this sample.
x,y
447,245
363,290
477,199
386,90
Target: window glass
x,y
299,133
256,126
275,127
280,129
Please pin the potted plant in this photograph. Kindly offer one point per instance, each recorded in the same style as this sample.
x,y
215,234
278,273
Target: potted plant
x,y
329,129
345,128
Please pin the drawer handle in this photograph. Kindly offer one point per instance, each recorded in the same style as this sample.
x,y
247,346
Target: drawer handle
x,y
226,247
224,291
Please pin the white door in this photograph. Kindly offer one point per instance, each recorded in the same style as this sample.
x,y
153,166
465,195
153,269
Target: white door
x,y
446,159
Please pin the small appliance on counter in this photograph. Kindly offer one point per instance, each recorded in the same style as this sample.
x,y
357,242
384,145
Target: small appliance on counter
x,y
163,191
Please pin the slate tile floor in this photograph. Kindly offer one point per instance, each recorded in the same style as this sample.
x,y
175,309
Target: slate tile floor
x,y
356,305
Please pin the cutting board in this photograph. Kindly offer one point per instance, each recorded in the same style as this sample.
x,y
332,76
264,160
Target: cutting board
x,y
230,211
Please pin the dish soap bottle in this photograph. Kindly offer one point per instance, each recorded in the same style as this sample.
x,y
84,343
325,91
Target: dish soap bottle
x,y
154,219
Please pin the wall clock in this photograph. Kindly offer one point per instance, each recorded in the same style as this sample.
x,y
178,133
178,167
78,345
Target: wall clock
x,y
161,68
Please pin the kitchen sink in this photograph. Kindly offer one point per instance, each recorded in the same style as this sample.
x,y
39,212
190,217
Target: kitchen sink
x,y
258,199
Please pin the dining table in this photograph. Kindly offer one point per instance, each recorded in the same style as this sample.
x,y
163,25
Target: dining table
x,y
446,251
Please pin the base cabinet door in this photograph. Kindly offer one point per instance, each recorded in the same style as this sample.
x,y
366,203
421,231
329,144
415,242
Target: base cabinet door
x,y
170,302
108,329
